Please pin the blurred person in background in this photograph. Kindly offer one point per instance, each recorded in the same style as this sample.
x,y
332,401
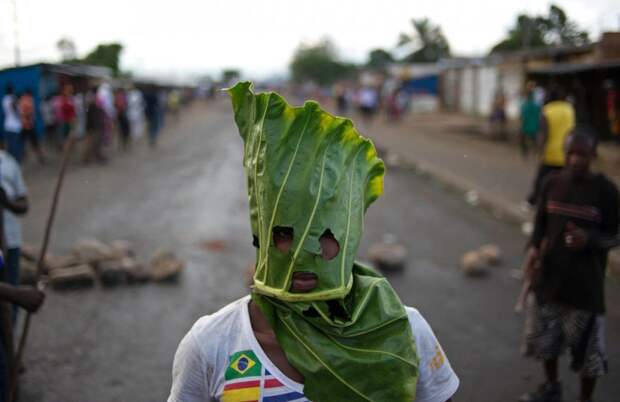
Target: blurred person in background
x,y
58,121
342,103
67,112
135,113
576,225
613,107
162,99
174,103
530,123
120,104
95,126
106,102
49,120
12,124
27,116
152,110
498,115
368,101
557,122
80,115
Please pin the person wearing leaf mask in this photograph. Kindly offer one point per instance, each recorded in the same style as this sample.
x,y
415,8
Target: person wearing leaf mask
x,y
318,326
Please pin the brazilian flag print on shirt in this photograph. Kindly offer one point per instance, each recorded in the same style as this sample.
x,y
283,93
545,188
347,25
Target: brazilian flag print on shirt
x,y
247,380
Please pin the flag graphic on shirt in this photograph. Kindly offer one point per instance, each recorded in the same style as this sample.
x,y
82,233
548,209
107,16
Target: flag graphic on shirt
x,y
275,391
243,377
248,381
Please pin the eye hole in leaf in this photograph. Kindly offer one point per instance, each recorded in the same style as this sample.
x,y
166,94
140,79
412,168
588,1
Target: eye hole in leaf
x,y
283,238
255,241
329,245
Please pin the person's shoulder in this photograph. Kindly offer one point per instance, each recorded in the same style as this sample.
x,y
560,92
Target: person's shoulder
x,y
217,323
606,183
419,325
551,179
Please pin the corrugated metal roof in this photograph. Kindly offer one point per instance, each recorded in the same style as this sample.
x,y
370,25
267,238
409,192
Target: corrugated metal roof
x,y
69,69
571,68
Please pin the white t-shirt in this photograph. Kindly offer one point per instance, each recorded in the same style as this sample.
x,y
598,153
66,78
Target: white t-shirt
x,y
368,97
13,184
11,119
219,359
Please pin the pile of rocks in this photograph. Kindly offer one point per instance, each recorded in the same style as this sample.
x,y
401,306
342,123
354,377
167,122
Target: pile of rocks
x,y
91,261
388,255
477,262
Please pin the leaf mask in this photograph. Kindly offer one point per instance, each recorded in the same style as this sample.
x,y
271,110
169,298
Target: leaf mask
x,y
310,173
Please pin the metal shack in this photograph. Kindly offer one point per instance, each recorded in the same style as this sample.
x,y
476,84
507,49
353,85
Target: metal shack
x,y
45,80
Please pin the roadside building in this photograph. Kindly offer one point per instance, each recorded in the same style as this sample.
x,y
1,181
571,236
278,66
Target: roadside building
x,y
45,79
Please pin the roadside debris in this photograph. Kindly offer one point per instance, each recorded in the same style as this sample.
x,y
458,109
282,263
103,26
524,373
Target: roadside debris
x,y
388,255
91,261
477,262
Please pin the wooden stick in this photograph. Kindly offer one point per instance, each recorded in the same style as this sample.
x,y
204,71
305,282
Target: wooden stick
x,y
41,262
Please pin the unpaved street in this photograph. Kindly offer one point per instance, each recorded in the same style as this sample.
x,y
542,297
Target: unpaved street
x,y
104,345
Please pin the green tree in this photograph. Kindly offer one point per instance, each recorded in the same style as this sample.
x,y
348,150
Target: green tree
x,y
229,75
320,64
379,59
107,55
528,32
67,50
429,40
539,31
562,31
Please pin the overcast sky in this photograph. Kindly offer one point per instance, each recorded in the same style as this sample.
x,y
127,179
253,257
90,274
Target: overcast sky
x,y
183,37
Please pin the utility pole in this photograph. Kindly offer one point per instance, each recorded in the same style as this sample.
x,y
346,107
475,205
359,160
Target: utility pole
x,y
16,33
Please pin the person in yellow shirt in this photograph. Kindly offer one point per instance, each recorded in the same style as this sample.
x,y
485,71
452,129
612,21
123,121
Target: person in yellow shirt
x,y
557,122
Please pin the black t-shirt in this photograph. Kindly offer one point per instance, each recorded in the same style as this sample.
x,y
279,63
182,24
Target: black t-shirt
x,y
575,277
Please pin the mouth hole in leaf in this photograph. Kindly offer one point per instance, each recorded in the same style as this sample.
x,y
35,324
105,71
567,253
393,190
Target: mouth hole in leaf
x,y
310,312
329,245
255,241
283,238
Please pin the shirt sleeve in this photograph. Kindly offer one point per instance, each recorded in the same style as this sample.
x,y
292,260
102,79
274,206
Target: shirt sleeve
x,y
437,381
189,374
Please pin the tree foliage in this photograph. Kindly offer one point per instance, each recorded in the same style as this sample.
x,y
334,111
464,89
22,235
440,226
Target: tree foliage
x,y
229,75
553,29
429,40
320,64
67,49
106,55
379,59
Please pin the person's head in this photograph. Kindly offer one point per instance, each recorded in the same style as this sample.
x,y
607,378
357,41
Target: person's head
x,y
579,149
556,93
28,92
529,95
67,90
310,178
8,90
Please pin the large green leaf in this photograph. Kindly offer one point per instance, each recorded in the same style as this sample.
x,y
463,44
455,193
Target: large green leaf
x,y
362,351
309,171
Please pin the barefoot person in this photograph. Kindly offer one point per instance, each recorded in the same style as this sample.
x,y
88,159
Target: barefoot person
x,y
576,225
317,326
